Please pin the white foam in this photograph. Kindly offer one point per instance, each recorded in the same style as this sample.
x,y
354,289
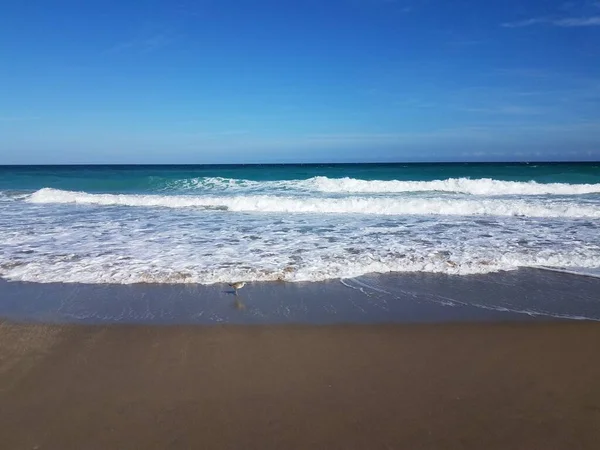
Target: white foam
x,y
293,230
228,184
103,245
13,195
183,266
346,205
483,186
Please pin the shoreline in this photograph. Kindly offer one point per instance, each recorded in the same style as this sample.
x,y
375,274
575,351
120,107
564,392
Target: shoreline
x,y
521,295
451,386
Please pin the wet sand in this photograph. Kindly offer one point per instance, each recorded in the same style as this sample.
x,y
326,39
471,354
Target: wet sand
x,y
529,385
525,294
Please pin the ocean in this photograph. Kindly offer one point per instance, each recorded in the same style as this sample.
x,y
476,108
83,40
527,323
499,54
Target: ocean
x,y
294,223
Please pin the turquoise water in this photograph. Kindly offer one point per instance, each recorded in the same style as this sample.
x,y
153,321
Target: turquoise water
x,y
141,179
208,224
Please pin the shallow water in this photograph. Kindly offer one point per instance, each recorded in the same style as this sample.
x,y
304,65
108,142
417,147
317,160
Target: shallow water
x,y
526,294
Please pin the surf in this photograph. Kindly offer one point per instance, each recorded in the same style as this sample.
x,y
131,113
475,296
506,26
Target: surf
x,y
323,205
323,184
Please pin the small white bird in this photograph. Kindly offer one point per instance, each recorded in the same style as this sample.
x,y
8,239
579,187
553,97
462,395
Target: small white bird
x,y
237,285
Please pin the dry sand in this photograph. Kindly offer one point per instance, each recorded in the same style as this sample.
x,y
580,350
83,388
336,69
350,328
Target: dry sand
x,y
452,386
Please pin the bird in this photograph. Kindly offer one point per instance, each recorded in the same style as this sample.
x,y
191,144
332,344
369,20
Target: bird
x,y
237,285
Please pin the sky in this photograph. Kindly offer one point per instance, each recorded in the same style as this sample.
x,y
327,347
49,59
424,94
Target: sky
x,y
223,81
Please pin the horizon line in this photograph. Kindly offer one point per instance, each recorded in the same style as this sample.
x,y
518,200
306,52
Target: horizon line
x,y
304,163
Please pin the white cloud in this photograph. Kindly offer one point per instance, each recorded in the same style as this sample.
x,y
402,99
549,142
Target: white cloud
x,y
525,23
579,22
567,22
509,110
145,44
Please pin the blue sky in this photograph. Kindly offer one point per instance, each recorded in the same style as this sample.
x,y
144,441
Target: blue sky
x,y
222,81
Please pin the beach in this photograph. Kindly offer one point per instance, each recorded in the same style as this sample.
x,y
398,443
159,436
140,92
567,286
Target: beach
x,y
455,386
337,225
384,306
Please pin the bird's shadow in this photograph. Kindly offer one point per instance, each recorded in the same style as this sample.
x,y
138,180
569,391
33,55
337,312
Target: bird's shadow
x,y
228,292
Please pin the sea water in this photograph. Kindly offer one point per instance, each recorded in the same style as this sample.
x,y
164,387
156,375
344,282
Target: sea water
x,y
209,224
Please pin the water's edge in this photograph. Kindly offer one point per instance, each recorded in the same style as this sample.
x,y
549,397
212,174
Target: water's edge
x,y
526,294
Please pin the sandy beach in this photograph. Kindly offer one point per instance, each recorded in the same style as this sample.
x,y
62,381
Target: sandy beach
x,y
454,386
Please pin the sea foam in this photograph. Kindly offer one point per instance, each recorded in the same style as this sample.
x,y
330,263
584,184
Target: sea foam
x,y
320,205
482,186
218,229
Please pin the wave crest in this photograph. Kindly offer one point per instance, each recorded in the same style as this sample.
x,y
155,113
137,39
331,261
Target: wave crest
x,y
345,205
481,186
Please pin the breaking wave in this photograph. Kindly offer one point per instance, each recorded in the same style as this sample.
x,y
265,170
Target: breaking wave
x,y
483,186
345,205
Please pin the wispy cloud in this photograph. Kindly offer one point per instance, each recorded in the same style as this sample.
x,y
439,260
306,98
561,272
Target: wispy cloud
x,y
17,118
399,5
590,128
525,23
467,42
527,72
215,135
579,22
565,22
508,110
144,44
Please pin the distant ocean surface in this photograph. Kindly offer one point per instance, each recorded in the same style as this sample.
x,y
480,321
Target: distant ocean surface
x,y
208,224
